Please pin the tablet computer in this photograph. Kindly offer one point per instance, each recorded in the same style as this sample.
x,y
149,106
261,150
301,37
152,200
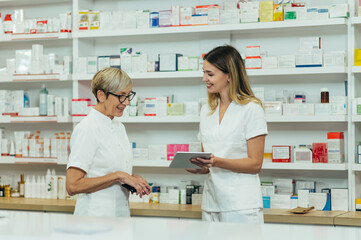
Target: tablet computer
x,y
181,159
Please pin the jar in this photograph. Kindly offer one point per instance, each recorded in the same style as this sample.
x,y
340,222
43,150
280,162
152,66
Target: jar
x,y
324,95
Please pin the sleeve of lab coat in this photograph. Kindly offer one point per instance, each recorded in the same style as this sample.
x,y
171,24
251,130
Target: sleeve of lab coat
x,y
255,121
83,147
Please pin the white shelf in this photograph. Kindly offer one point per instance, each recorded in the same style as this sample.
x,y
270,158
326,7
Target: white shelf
x,y
313,118
28,160
255,73
150,75
169,119
34,37
151,163
22,3
297,71
196,119
356,69
356,20
34,119
356,118
233,28
40,77
50,77
266,165
304,166
356,167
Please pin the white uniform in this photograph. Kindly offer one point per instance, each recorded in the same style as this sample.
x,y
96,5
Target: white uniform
x,y
100,146
225,190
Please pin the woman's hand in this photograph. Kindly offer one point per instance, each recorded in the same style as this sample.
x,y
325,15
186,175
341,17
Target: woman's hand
x,y
203,162
198,171
140,184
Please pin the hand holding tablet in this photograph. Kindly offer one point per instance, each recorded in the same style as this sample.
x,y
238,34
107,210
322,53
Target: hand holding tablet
x,y
182,159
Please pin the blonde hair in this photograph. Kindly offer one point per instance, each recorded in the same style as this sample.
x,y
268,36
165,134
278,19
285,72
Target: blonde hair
x,y
228,60
110,80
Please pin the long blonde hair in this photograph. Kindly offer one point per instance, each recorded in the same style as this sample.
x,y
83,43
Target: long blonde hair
x,y
227,59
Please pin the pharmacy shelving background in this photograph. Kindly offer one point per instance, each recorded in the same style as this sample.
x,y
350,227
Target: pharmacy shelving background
x,y
277,38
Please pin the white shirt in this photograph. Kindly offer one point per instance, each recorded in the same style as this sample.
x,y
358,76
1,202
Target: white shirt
x,y
226,190
100,146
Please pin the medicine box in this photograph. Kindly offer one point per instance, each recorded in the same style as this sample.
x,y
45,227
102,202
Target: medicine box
x,y
282,153
319,152
335,147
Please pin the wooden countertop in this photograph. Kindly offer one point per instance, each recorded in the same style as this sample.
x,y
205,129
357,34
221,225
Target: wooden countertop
x,y
312,217
349,219
38,204
187,211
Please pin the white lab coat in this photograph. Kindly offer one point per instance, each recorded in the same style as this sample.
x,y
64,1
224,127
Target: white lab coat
x,y
225,190
100,146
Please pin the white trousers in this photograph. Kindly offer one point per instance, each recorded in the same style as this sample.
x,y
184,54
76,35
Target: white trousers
x,y
248,216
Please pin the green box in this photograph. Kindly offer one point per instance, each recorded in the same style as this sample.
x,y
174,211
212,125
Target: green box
x,y
358,109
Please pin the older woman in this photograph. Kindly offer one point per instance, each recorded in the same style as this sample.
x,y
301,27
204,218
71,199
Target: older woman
x,y
100,162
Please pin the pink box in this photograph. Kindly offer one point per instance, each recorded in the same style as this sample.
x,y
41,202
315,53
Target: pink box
x,y
173,148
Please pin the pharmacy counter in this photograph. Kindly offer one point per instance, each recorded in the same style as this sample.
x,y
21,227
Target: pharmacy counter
x,y
35,226
349,219
176,211
312,217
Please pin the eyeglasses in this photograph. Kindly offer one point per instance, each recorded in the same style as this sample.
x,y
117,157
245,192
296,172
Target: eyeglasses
x,y
122,98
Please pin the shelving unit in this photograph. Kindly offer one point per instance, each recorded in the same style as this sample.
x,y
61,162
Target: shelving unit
x,y
277,38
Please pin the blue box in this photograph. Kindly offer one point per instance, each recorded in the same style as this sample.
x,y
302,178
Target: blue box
x,y
266,202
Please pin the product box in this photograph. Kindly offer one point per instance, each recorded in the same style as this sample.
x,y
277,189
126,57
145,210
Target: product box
x,y
281,201
334,59
142,19
168,62
282,153
173,148
283,185
175,109
83,21
199,19
322,109
277,12
312,13
309,58
186,16
335,147
94,20
266,201
230,16
253,63
319,152
114,61
339,11
303,155
273,108
165,18
157,152
358,153
161,106
286,61
103,62
253,51
175,18
318,200
150,107
270,62
266,11
323,13
92,64
249,11
357,57
289,13
339,199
